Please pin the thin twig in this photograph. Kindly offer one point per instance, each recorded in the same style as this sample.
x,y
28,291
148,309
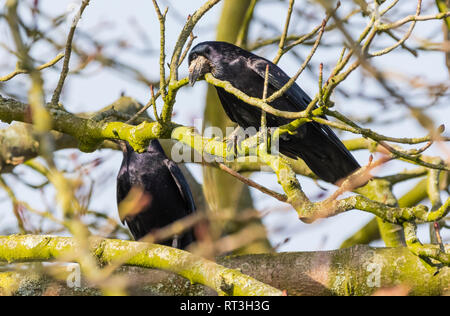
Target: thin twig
x,y
192,37
162,54
291,81
19,71
404,38
284,34
253,184
67,54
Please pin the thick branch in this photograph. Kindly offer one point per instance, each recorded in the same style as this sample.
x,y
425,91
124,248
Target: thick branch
x,y
196,269
358,271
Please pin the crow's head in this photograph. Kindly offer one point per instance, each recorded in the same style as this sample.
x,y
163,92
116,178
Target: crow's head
x,y
211,57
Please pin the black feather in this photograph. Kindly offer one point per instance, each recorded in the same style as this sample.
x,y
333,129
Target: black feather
x,y
315,143
170,197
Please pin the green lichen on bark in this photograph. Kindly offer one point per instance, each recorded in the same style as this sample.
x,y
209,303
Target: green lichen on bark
x,y
358,271
381,191
29,248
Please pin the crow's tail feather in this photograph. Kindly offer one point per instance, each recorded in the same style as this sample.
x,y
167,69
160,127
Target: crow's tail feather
x,y
322,151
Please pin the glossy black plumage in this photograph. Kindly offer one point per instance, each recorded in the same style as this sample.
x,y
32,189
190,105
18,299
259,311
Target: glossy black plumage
x,y
316,144
170,198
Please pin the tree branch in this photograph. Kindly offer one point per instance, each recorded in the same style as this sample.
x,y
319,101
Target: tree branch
x,y
357,271
196,269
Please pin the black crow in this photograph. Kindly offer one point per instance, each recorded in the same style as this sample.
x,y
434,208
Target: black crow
x,y
168,197
315,143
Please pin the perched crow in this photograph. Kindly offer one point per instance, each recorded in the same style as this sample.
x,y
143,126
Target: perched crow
x,y
168,196
316,144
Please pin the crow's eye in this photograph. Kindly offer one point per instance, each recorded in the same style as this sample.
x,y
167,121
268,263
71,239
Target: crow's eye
x,y
194,56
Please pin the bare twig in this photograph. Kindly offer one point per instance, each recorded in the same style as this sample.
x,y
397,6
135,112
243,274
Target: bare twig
x,y
19,71
284,34
68,53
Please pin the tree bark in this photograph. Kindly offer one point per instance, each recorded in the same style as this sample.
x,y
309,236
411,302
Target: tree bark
x,y
355,271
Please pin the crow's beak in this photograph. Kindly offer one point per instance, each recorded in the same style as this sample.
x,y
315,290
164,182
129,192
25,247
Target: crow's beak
x,y
198,68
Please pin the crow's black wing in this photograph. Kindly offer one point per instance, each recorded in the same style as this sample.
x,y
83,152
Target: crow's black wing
x,y
182,185
123,184
297,97
278,78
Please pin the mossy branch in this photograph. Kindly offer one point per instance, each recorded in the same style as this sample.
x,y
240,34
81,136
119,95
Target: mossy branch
x,y
356,271
196,269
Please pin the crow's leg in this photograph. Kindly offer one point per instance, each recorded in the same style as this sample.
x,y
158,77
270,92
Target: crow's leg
x,y
234,140
266,139
176,241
